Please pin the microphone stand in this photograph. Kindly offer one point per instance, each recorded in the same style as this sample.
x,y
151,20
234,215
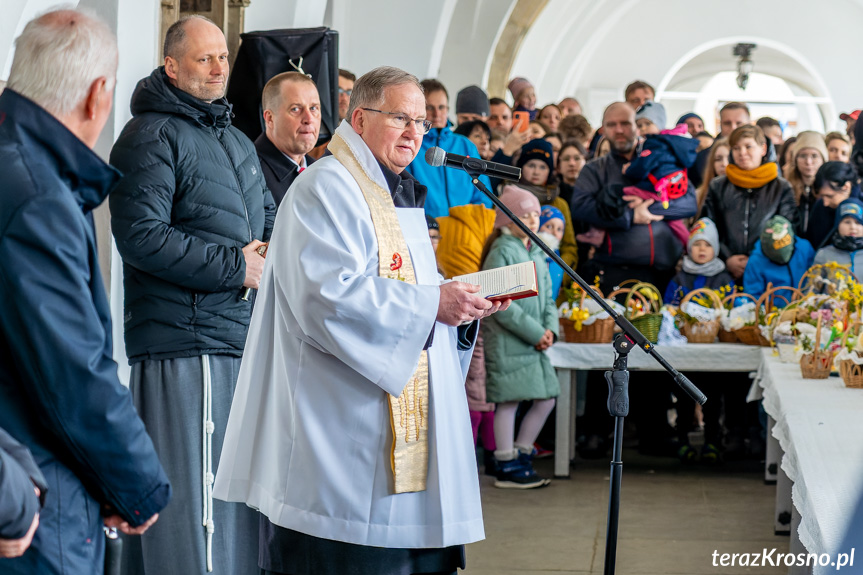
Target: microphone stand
x,y
618,378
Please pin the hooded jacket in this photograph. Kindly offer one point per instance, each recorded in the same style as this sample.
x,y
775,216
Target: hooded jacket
x,y
760,271
462,236
661,155
193,195
739,214
627,243
447,187
61,397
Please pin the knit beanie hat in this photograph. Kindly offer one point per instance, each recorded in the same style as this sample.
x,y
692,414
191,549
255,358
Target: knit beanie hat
x,y
472,100
537,150
519,201
550,213
653,111
704,229
809,139
777,240
684,117
850,208
432,223
517,86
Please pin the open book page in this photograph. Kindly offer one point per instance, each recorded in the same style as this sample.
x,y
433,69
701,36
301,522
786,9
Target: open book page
x,y
509,282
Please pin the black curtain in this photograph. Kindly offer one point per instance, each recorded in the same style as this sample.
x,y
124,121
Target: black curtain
x,y
262,55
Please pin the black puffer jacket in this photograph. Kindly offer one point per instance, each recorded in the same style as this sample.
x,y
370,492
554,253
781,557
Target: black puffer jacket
x,y
739,214
192,196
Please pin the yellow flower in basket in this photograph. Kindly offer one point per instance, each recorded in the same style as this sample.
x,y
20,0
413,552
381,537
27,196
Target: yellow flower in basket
x,y
578,316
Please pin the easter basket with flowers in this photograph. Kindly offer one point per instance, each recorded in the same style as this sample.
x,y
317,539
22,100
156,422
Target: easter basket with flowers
x,y
849,360
643,307
699,315
582,320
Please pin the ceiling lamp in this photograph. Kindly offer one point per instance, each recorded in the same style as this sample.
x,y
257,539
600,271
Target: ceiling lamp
x,y
744,64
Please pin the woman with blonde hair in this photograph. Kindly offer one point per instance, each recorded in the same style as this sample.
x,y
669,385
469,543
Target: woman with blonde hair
x,y
808,155
717,161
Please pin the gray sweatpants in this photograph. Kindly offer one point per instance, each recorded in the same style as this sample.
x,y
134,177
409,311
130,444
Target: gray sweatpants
x,y
170,398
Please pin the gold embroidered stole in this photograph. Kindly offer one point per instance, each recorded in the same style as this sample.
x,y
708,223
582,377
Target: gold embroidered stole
x,y
409,411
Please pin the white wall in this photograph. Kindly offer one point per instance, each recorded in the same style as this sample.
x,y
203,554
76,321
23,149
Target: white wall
x,y
595,47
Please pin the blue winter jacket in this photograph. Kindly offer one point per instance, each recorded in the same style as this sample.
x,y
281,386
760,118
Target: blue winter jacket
x,y
760,270
447,187
59,392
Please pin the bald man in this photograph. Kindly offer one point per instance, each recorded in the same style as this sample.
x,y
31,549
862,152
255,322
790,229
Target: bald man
x,y
189,217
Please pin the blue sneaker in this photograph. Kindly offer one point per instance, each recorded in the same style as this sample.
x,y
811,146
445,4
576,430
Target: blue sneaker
x,y
518,474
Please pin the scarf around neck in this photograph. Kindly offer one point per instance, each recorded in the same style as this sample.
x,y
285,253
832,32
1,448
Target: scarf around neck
x,y
709,269
752,179
847,243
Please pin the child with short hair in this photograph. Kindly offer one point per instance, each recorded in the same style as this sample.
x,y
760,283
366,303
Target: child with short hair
x,y
846,241
780,258
516,367
551,226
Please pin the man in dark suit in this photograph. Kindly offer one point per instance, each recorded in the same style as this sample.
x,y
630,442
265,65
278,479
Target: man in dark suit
x,y
292,114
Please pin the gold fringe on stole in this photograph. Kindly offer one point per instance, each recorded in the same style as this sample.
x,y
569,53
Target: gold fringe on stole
x,y
409,411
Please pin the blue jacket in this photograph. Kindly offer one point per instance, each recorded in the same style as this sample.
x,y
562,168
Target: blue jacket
x,y
59,392
760,270
685,282
661,155
447,187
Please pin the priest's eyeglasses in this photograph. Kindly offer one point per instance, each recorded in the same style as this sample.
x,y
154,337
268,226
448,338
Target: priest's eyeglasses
x,y
402,121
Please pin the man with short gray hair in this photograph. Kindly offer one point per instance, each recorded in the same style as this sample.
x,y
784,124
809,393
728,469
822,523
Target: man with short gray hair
x,y
349,429
190,217
61,397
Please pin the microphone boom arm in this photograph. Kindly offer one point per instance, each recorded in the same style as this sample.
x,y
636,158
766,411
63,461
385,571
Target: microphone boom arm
x,y
632,334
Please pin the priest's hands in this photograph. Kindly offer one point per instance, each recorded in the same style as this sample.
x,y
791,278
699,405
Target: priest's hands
x,y
459,304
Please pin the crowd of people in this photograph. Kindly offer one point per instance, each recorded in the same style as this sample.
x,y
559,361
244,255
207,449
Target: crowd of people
x,y
289,409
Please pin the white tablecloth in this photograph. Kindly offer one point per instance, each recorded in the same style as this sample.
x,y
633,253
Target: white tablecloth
x,y
689,357
819,424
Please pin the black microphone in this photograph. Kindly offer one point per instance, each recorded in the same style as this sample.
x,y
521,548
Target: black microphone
x,y
437,157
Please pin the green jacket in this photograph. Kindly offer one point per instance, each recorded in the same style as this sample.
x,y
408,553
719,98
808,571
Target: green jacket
x,y
515,369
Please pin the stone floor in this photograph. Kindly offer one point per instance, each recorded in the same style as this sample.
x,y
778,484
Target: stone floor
x,y
672,520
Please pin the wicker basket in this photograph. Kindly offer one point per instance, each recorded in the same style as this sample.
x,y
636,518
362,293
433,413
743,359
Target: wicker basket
x,y
816,365
600,331
726,336
748,334
819,363
702,331
850,371
768,301
814,278
649,320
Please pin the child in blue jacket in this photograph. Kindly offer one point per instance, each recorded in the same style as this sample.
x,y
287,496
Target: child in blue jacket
x,y
779,258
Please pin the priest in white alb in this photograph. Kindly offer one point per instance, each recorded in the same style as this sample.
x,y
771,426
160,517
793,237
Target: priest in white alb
x,y
349,429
